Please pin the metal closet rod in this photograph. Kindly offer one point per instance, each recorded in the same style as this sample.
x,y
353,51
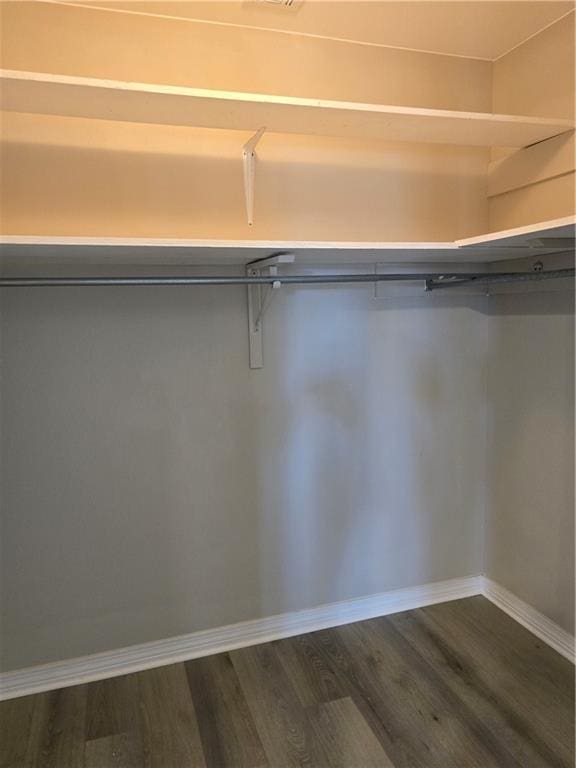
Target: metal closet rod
x,y
502,277
433,280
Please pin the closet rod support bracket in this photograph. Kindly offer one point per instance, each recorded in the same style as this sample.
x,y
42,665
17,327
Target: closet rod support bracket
x,y
259,299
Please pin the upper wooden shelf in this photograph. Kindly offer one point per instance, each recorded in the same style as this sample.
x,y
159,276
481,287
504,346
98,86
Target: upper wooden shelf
x,y
548,237
554,234
170,105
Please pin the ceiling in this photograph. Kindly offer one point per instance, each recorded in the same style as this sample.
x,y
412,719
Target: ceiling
x,y
483,29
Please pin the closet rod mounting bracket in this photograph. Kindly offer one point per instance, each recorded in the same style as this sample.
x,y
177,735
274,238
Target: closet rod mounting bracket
x,y
259,300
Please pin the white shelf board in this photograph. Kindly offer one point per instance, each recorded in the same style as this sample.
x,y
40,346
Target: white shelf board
x,y
171,105
26,250
527,236
547,237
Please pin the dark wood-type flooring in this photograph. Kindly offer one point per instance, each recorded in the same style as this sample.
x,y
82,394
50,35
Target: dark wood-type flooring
x,y
450,686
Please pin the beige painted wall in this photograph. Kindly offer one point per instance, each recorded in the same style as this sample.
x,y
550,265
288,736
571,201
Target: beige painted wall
x,y
537,78
78,177
530,483
96,43
307,188
67,176
472,29
549,199
153,485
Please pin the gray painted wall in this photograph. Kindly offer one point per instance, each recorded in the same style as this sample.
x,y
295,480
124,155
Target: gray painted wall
x,y
530,489
153,485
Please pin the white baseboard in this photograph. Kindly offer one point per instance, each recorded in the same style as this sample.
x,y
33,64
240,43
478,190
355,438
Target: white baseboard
x,y
136,658
524,614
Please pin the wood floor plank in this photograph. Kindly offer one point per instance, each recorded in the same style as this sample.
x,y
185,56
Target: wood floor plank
x,y
170,734
455,685
112,707
15,724
346,736
122,750
432,717
314,679
57,732
227,729
380,713
460,675
516,647
544,704
470,730
284,728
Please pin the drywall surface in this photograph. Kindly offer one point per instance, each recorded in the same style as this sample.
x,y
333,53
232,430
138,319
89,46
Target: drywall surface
x,y
64,39
68,176
537,78
102,178
530,482
153,485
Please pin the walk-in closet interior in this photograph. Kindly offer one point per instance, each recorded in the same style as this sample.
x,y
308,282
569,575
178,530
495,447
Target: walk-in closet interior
x,y
287,383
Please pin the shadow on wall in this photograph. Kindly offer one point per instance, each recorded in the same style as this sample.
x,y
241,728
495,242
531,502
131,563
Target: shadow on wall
x,y
369,478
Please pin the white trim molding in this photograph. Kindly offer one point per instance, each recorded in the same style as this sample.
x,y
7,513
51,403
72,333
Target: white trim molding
x,y
135,658
540,625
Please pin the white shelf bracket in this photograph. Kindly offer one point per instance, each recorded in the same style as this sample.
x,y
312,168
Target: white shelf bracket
x,y
269,293
259,299
249,159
